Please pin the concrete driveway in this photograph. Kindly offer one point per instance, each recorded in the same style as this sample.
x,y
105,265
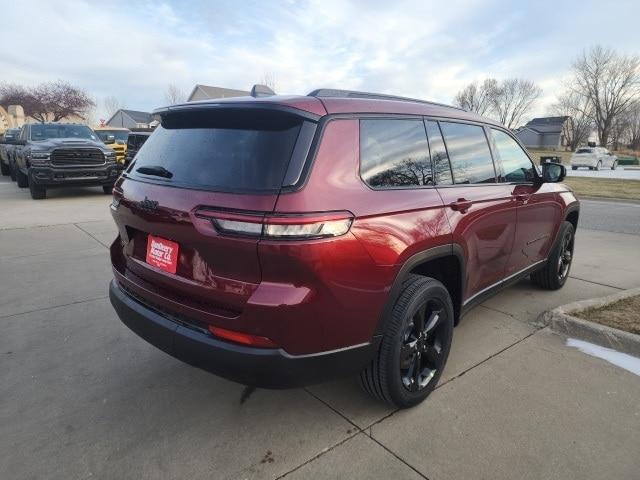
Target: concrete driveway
x,y
82,397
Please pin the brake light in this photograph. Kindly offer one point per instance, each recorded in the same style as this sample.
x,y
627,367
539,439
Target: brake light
x,y
285,227
242,338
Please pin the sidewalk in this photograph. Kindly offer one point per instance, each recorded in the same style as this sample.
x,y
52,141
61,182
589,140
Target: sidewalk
x,y
83,397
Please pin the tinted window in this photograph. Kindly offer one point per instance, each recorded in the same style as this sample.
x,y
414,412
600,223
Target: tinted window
x,y
394,153
44,131
515,163
224,151
439,155
584,150
469,153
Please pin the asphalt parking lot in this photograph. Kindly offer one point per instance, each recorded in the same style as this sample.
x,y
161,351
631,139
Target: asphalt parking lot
x,y
83,397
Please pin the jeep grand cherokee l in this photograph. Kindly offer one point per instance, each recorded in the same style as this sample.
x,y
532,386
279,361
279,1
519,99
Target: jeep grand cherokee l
x,y
61,154
281,241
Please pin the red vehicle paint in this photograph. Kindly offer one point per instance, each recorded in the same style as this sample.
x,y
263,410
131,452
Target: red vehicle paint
x,y
295,281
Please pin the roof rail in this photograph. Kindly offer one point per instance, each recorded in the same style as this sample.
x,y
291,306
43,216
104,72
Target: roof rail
x,y
335,93
261,91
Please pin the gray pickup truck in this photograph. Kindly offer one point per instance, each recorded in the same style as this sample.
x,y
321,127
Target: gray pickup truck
x,y
51,155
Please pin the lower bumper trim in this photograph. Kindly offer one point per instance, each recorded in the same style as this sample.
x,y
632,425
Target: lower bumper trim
x,y
260,367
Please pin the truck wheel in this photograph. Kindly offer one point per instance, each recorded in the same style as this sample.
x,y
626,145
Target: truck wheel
x,y
555,272
12,171
4,169
107,189
38,192
415,345
21,178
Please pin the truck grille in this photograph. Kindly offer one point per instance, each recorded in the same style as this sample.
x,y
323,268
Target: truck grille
x,y
77,156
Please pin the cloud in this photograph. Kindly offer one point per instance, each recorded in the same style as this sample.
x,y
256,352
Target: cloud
x,y
417,48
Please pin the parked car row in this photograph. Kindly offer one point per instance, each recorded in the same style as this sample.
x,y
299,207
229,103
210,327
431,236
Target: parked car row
x,y
41,156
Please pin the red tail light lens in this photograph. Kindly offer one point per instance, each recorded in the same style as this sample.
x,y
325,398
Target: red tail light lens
x,y
242,338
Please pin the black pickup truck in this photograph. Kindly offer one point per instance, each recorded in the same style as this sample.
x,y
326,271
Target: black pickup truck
x,y
60,154
7,143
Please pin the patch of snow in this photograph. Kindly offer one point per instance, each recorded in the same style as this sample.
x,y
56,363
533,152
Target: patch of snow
x,y
622,360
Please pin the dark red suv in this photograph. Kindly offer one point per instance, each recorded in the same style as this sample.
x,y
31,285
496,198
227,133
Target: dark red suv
x,y
284,240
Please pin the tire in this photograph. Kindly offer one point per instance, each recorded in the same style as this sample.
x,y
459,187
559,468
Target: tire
x,y
107,189
598,166
12,171
21,178
38,192
385,378
574,168
4,169
556,271
614,165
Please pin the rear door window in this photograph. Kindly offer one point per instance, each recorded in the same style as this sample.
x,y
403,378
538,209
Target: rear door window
x,y
228,151
394,153
516,164
439,155
469,153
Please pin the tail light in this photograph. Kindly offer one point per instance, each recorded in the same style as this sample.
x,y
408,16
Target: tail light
x,y
242,338
282,227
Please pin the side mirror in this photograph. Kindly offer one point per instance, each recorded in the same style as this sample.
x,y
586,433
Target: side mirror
x,y
553,172
110,139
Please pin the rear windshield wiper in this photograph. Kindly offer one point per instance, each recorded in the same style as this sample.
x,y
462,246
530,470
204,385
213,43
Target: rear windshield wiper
x,y
156,170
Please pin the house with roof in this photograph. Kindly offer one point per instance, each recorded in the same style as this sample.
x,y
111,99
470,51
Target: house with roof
x,y
130,119
544,132
206,92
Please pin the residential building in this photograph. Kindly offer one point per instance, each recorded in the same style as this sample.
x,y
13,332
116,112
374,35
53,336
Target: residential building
x,y
130,119
544,132
205,92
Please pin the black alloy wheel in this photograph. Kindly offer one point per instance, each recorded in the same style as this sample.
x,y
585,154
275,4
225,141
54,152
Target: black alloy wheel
x,y
421,353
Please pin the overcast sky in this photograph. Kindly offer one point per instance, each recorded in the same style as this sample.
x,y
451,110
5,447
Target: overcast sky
x,y
425,49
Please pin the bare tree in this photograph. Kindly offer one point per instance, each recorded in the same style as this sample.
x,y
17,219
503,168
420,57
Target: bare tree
x,y
610,81
580,112
514,98
57,100
11,94
111,105
269,79
174,94
477,97
633,134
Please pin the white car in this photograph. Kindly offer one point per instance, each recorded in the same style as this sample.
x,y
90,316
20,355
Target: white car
x,y
593,157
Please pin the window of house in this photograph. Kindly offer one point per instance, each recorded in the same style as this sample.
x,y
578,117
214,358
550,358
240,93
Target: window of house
x,y
394,153
469,153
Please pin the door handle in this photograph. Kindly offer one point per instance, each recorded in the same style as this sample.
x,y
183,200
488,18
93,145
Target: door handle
x,y
461,205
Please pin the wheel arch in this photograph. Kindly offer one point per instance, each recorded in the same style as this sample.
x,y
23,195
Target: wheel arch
x,y
445,263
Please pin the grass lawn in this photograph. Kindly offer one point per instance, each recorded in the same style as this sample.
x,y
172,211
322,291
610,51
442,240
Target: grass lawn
x,y
604,187
622,315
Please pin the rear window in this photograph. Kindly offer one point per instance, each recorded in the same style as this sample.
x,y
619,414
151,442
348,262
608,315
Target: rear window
x,y
584,150
228,151
394,153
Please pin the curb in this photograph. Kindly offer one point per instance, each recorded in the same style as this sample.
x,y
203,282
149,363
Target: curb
x,y
560,320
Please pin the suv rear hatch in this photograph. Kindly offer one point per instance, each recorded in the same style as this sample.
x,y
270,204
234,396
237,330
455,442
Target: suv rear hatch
x,y
202,169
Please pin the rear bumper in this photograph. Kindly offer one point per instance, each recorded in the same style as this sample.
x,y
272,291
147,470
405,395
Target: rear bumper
x,y
49,176
266,368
